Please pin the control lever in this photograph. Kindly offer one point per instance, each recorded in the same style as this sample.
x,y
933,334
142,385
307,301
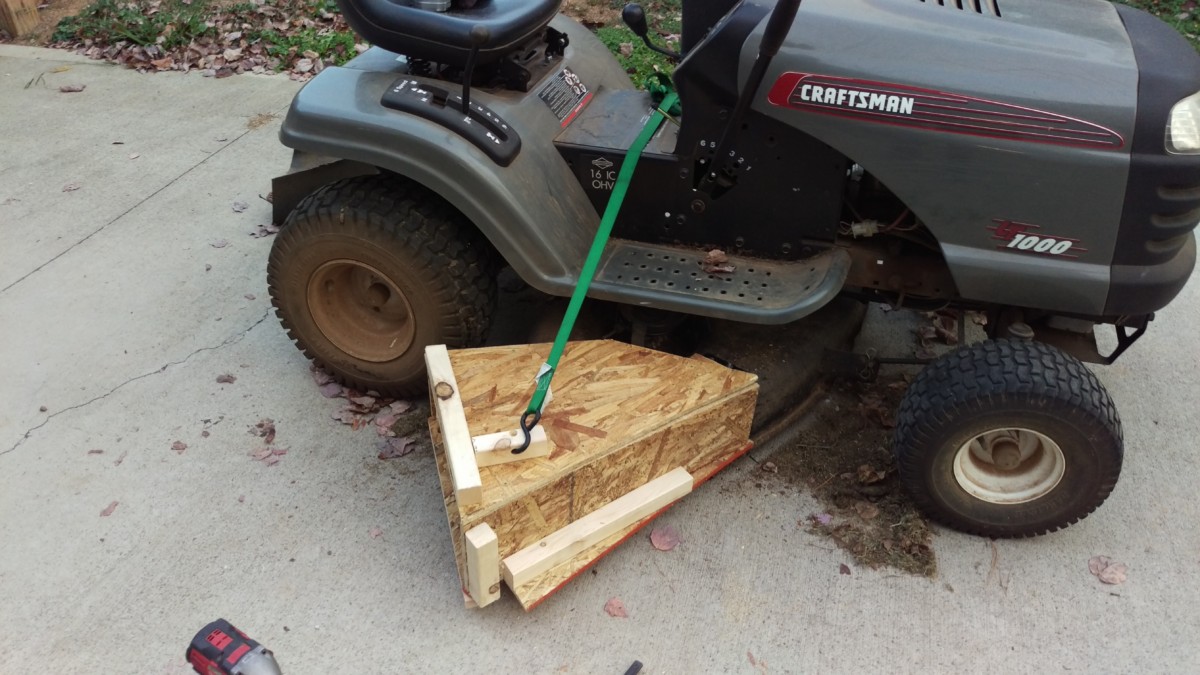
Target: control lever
x,y
774,34
635,17
479,36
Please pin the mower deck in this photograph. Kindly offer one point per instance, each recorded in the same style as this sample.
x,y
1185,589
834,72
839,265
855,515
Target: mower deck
x,y
630,431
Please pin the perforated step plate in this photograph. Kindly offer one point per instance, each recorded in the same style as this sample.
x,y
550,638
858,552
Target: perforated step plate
x,y
756,291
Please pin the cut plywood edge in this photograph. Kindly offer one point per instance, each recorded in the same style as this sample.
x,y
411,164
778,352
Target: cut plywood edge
x,y
446,402
483,565
523,568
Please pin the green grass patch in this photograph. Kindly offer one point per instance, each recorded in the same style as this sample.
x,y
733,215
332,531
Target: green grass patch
x,y
1182,15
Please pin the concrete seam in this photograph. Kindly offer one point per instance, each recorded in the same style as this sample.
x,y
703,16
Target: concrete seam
x,y
237,337
126,212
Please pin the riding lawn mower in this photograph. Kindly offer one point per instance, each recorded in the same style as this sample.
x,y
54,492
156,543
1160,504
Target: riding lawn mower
x,y
1037,161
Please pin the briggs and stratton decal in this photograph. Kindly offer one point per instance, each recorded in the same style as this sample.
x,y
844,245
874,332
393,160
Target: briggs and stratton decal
x,y
566,95
907,106
1020,237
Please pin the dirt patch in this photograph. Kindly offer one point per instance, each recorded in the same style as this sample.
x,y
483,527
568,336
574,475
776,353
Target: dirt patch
x,y
591,13
259,120
843,455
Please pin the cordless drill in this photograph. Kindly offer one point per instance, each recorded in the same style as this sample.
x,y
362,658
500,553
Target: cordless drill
x,y
221,649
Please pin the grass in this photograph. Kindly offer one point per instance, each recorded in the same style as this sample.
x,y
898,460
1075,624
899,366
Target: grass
x,y
1182,15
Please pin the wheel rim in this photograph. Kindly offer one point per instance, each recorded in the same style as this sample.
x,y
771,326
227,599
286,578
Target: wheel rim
x,y
1009,466
360,310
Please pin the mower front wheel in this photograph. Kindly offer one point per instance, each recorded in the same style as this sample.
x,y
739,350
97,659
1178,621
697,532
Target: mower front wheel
x,y
369,271
1008,439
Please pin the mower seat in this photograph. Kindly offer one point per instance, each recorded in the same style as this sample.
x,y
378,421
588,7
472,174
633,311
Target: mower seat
x,y
494,26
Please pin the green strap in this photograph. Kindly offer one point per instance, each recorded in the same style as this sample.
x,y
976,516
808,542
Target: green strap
x,y
593,258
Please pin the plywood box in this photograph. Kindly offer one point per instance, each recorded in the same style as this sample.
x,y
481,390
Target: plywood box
x,y
622,418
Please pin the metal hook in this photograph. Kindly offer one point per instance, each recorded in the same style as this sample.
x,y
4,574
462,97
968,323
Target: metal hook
x,y
527,428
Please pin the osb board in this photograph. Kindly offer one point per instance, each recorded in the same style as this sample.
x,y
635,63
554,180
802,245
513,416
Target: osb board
x,y
621,416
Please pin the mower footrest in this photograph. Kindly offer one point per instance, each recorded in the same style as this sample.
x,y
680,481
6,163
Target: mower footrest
x,y
742,288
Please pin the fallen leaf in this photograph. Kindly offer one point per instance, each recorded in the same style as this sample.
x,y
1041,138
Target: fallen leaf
x,y
241,499
108,510
239,207
769,467
823,518
226,379
204,433
71,187
95,451
179,447
375,532
265,231
615,608
265,429
118,460
220,243
330,390
1114,574
867,474
1107,571
715,257
249,296
1096,564
261,454
626,49
319,376
59,69
664,538
391,448
72,88
844,569
271,461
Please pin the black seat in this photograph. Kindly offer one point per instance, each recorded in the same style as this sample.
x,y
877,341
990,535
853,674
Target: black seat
x,y
448,37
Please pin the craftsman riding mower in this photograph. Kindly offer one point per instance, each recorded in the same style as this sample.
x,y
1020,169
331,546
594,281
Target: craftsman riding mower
x,y
1035,161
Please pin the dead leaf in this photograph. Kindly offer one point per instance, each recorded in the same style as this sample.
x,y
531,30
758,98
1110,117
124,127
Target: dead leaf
x,y
265,429
71,187
626,49
239,207
248,296
770,467
261,454
391,448
59,69
1096,564
220,243
226,379
1114,575
118,460
715,257
265,231
179,447
331,390
375,532
664,538
319,376
844,569
823,519
204,433
1107,571
108,510
72,88
867,475
615,608
134,155
95,451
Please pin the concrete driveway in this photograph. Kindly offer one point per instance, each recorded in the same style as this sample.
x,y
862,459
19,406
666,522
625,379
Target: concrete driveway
x,y
118,310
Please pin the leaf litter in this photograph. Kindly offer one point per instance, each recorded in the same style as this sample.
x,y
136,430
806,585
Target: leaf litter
x,y
108,510
842,455
615,608
665,538
399,432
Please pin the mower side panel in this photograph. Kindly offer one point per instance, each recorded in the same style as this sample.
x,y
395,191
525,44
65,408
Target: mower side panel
x,y
533,211
1069,58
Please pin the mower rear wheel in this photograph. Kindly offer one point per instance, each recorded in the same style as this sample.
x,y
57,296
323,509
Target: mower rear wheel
x,y
369,271
1008,439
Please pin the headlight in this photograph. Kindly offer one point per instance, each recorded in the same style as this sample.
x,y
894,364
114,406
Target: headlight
x,y
1183,127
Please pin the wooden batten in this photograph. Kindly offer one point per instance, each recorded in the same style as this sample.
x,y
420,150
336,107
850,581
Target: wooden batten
x,y
622,418
446,401
493,449
483,565
525,566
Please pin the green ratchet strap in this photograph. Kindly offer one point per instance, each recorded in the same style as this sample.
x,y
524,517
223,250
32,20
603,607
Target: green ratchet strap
x,y
533,414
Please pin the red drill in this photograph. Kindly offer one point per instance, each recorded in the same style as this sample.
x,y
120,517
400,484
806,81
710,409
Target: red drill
x,y
221,649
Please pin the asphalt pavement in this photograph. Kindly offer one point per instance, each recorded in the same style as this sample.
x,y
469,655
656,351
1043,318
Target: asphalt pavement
x,y
129,282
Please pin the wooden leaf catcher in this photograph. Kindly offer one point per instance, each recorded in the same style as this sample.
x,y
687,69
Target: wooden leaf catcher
x,y
629,432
